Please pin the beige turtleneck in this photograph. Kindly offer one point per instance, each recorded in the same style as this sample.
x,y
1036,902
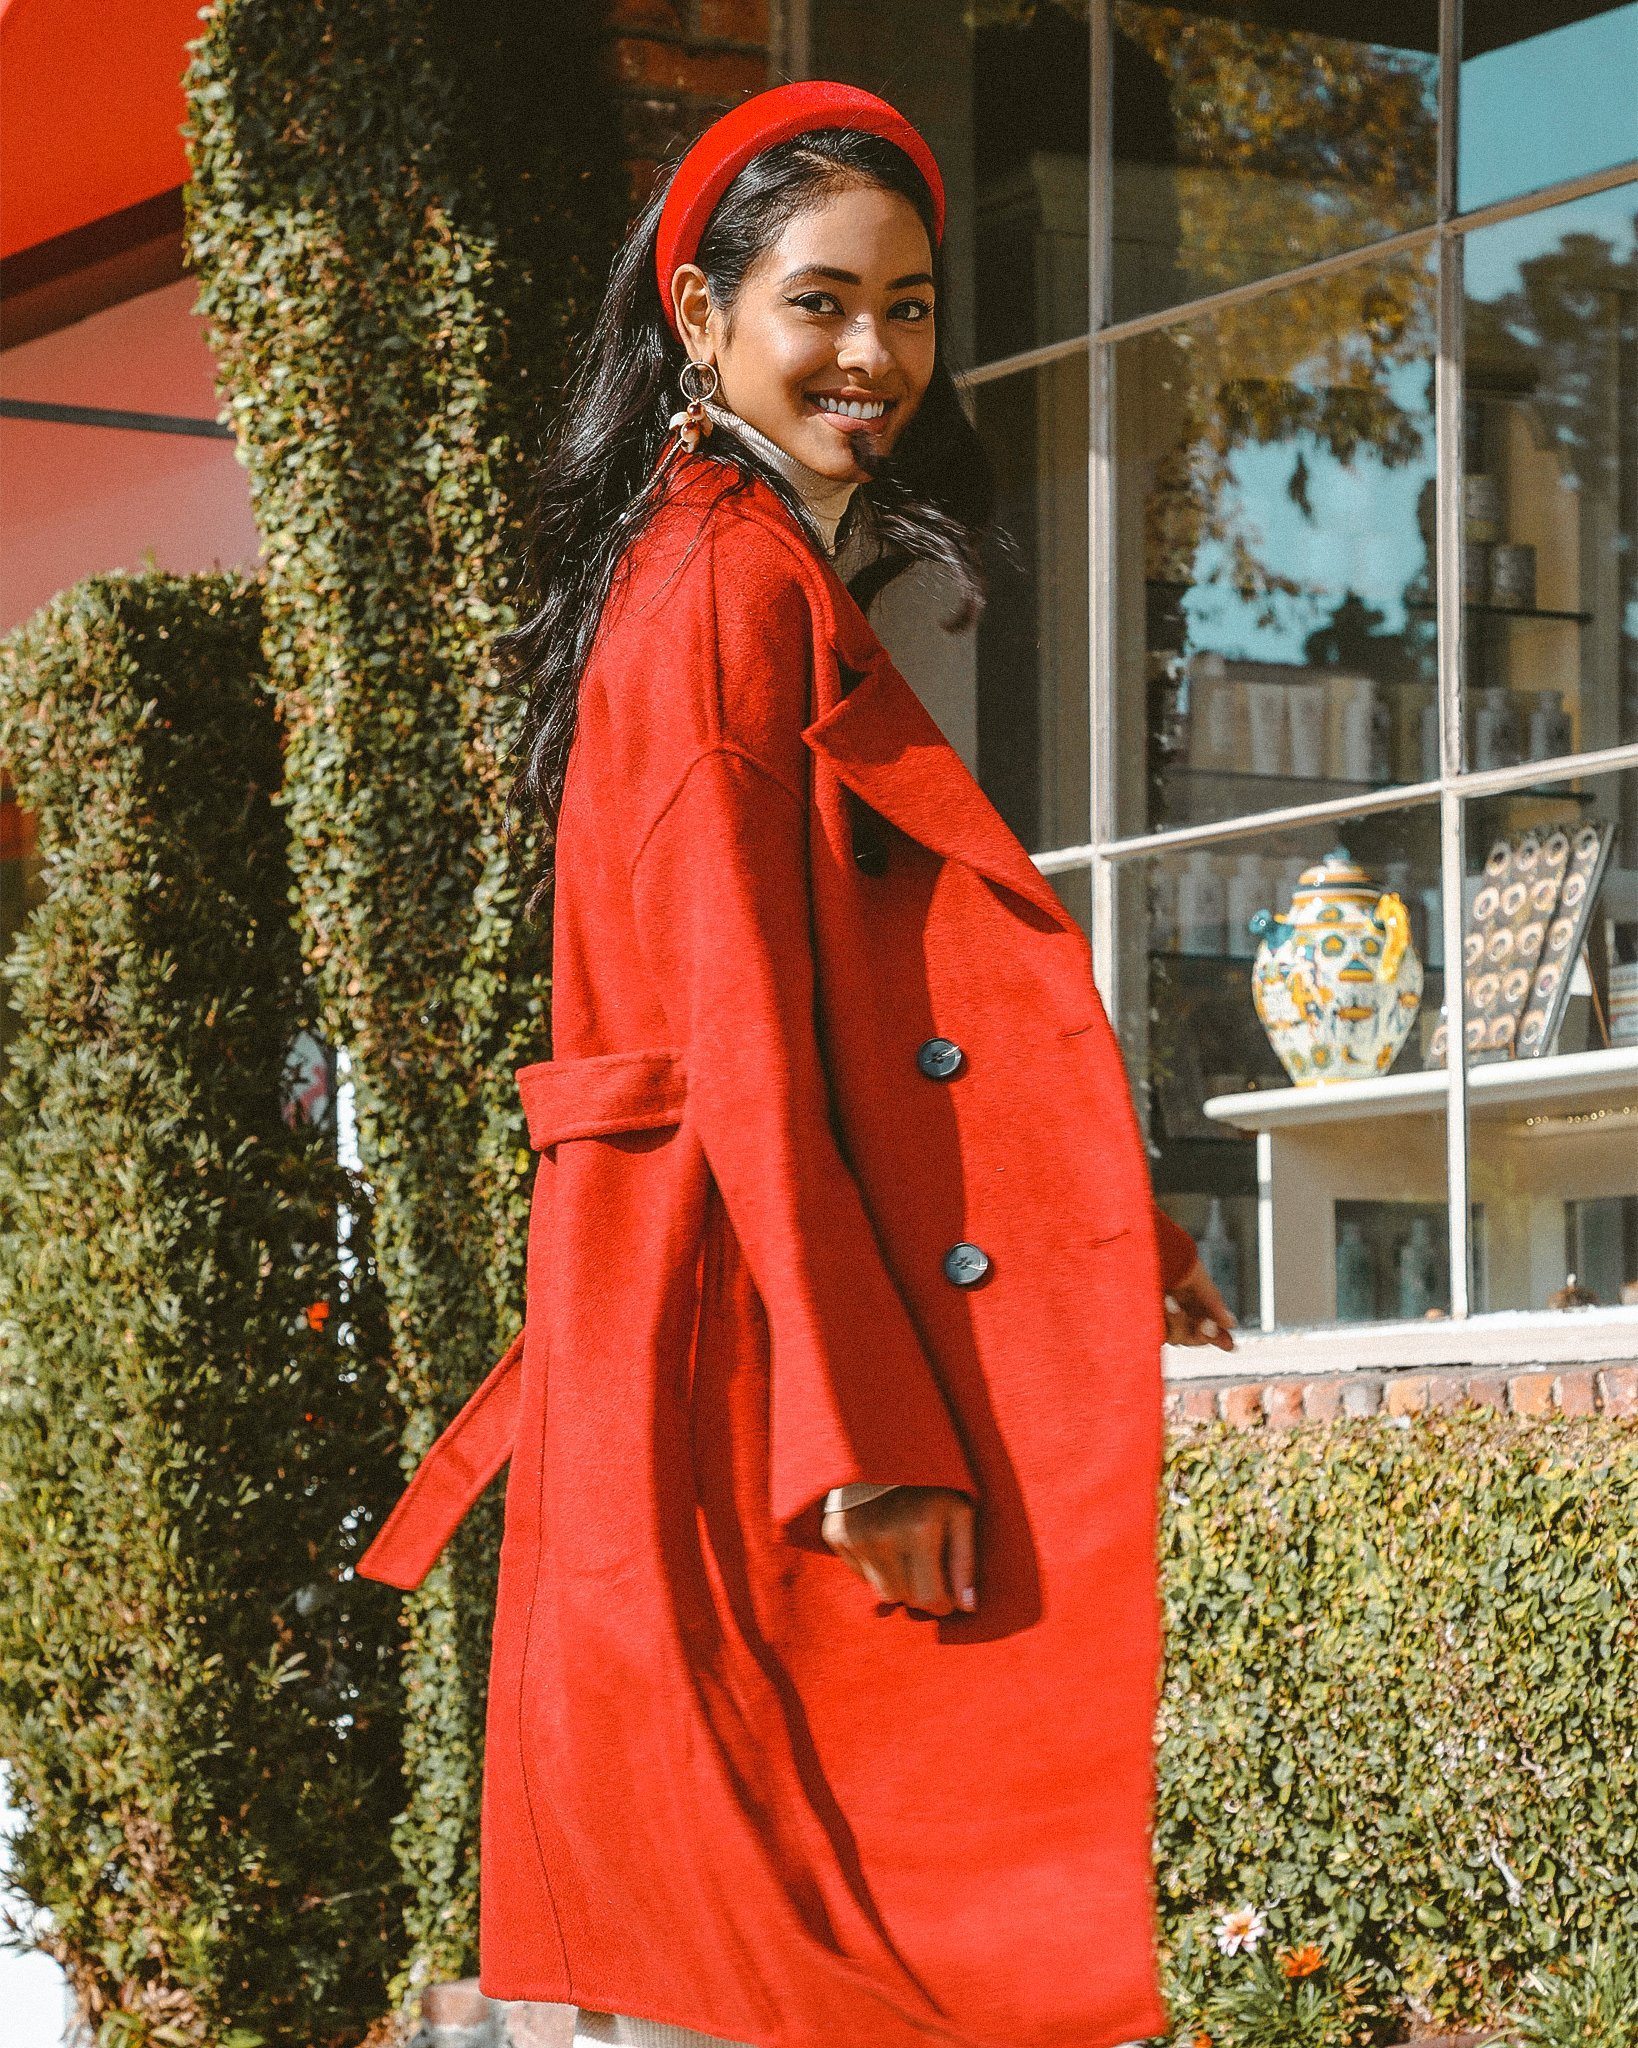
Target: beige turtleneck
x,y
825,498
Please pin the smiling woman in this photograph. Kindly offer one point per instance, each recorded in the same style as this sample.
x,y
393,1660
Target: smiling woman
x,y
837,1405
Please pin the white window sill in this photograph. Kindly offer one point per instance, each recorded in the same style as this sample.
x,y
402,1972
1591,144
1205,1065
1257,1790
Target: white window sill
x,y
1519,1337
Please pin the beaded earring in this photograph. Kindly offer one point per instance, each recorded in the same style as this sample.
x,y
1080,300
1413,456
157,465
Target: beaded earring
x,y
695,421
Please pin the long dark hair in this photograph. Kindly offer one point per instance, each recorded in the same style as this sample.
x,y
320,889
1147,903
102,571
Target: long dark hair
x,y
597,482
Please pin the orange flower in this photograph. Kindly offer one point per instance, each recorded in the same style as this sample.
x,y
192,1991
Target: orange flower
x,y
1201,2040
1302,1962
317,1314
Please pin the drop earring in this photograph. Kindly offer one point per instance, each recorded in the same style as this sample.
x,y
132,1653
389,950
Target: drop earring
x,y
695,421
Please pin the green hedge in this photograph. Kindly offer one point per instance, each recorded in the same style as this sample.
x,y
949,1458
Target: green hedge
x,y
402,210
1400,1695
198,1705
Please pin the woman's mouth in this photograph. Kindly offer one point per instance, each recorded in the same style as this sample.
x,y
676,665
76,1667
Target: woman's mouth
x,y
850,415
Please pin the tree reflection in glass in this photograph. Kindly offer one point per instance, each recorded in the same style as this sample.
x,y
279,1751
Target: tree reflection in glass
x,y
1274,499
1243,149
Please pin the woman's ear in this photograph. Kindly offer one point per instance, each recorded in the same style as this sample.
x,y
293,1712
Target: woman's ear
x,y
691,301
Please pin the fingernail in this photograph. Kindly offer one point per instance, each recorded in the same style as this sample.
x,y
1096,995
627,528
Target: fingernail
x,y
969,1599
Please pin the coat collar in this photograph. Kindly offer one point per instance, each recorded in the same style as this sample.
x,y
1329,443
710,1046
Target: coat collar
x,y
883,743
879,738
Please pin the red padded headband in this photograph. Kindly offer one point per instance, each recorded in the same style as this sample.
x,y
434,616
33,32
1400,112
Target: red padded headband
x,y
728,145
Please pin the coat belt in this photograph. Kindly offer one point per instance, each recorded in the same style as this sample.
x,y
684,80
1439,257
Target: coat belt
x,y
460,1464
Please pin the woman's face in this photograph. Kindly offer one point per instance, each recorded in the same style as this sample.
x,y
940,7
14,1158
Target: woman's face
x,y
837,312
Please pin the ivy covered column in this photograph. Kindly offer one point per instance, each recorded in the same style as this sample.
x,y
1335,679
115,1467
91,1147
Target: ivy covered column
x,y
400,218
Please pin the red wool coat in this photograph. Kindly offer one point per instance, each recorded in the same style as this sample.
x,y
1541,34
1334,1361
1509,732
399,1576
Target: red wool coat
x,y
722,1788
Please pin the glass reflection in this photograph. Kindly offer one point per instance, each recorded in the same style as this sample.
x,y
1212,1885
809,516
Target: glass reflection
x,y
1550,565
1243,149
1551,983
1321,1202
999,88
1548,92
1274,496
1013,697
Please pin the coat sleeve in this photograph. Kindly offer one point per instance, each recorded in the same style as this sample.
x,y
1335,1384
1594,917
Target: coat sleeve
x,y
720,894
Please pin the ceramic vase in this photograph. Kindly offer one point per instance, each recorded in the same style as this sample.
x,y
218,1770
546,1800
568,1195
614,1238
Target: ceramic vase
x,y
1337,981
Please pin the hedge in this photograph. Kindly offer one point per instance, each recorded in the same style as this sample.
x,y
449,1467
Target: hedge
x,y
1399,1691
401,213
198,1705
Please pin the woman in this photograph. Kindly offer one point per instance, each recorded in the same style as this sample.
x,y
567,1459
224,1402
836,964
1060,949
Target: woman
x,y
842,1251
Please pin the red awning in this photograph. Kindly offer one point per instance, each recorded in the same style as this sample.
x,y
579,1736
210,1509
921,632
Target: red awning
x,y
90,108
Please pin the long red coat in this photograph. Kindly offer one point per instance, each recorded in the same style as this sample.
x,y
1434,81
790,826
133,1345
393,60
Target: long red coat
x,y
722,1787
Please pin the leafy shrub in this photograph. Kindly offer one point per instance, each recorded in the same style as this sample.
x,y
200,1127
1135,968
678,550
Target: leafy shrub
x,y
1398,1696
198,1704
401,213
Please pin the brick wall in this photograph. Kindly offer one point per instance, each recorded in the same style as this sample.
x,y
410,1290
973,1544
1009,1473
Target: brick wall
x,y
676,64
1284,1403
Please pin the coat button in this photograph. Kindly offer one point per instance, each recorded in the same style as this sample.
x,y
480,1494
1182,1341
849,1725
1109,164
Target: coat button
x,y
966,1264
939,1058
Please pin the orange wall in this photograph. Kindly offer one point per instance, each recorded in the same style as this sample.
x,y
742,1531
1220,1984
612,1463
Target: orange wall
x,y
74,499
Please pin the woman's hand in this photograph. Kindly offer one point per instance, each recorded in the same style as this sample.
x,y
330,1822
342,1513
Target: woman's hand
x,y
1196,1313
913,1547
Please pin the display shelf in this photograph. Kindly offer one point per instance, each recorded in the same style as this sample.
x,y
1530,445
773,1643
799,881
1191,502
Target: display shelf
x,y
1579,1080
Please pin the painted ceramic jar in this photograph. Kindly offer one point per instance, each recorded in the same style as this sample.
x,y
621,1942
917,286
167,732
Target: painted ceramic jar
x,y
1336,981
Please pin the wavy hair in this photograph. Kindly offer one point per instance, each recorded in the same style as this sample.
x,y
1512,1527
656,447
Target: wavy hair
x,y
598,479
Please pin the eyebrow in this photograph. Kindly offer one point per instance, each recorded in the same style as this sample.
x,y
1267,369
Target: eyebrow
x,y
894,284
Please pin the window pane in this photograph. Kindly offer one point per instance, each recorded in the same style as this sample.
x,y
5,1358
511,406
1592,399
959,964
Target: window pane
x,y
1552,1033
1323,1201
1243,148
1012,697
1274,468
1550,563
1001,93
1549,90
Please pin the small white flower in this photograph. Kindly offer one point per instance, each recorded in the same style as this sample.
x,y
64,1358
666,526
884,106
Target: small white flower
x,y
1241,1929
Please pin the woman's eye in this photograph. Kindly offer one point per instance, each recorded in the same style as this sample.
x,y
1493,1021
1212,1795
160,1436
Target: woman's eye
x,y
917,310
810,301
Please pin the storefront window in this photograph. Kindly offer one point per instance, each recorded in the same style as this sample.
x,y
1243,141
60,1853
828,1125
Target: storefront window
x,y
1274,493
1552,1041
1548,91
1245,146
1277,995
1322,563
1550,555
1000,91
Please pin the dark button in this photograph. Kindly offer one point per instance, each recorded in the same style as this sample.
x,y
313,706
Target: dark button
x,y
966,1264
939,1058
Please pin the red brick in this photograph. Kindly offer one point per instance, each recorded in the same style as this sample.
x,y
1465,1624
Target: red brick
x,y
671,68
735,21
1405,1394
1487,1389
1618,1389
1446,1391
1243,1406
1282,1403
1576,1393
648,17
1322,1400
1361,1396
1531,1393
1200,1404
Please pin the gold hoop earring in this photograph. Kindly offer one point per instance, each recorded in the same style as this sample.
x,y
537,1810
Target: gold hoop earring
x,y
695,420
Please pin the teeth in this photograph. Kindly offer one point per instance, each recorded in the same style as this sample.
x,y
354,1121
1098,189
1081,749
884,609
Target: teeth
x,y
854,409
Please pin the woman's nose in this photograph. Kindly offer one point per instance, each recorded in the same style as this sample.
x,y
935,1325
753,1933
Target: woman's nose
x,y
864,350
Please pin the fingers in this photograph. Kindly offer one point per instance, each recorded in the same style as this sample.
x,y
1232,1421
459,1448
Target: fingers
x,y
914,1547
960,1558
